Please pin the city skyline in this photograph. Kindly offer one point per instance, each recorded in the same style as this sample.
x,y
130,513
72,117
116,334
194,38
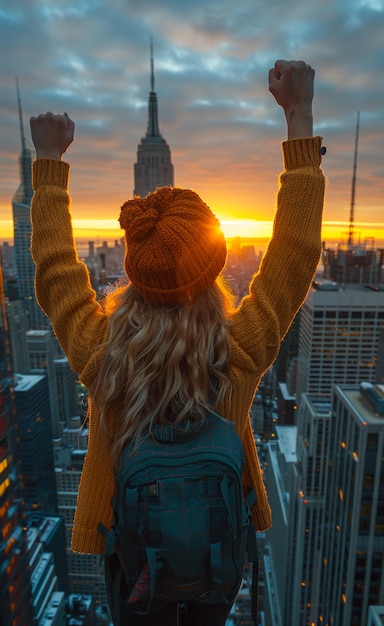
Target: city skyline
x,y
346,341
211,66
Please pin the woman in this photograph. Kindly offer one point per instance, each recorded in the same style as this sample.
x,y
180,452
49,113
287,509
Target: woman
x,y
171,342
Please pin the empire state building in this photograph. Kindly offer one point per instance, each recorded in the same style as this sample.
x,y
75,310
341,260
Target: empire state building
x,y
153,168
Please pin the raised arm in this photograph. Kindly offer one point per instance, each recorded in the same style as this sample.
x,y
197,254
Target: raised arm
x,y
288,266
62,282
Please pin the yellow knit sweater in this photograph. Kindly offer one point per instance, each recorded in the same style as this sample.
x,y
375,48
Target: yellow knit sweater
x,y
276,293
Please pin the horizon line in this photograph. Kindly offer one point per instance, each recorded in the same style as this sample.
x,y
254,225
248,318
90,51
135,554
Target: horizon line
x,y
334,230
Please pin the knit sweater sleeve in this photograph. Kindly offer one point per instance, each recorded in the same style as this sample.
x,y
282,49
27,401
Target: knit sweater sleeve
x,y
65,294
279,288
276,294
62,282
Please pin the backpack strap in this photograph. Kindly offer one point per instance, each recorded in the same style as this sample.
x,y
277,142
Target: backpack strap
x,y
216,564
225,493
116,597
253,557
218,557
109,536
155,566
255,592
113,580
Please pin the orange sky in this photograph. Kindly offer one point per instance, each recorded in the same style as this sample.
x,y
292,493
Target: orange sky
x,y
107,229
242,193
247,228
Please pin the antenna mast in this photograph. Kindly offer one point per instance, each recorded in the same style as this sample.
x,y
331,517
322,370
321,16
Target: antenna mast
x,y
23,143
352,210
152,70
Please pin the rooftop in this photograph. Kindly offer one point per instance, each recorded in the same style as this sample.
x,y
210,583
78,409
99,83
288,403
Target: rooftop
x,y
363,411
286,440
25,382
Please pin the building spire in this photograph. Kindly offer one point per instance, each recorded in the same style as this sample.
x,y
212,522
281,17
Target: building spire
x,y
154,167
152,70
352,209
153,122
22,134
25,191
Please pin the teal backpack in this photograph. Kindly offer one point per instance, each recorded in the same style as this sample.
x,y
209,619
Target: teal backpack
x,y
180,517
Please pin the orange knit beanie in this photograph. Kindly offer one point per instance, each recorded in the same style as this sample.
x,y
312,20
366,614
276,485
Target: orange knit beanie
x,y
174,245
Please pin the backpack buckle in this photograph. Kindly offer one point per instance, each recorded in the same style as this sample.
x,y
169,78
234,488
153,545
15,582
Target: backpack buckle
x,y
153,489
163,433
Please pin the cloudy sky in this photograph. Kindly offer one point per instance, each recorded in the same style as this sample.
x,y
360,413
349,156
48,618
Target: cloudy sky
x,y
91,58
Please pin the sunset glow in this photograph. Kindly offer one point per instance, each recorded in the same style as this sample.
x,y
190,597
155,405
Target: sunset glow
x,y
244,228
100,230
231,228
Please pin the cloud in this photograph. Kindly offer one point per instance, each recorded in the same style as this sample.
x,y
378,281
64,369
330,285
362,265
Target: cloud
x,y
91,59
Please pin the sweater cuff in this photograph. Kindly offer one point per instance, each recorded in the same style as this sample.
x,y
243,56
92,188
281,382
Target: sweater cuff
x,y
50,172
302,152
88,542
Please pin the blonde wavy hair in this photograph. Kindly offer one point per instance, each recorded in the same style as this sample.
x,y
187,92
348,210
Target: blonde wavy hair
x,y
161,363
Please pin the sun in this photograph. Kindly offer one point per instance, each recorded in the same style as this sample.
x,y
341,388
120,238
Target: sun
x,y
247,229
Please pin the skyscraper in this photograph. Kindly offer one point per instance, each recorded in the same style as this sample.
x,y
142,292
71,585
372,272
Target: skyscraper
x,y
43,349
15,583
22,234
281,457
47,599
36,447
68,391
324,555
353,264
297,483
153,167
341,329
317,571
17,329
85,571
352,576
